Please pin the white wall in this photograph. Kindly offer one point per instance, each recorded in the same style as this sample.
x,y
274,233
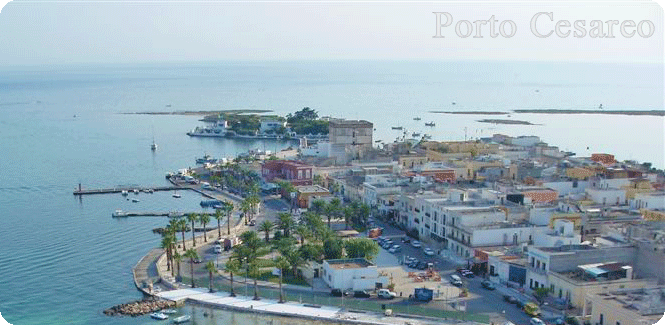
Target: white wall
x,y
565,188
648,201
607,196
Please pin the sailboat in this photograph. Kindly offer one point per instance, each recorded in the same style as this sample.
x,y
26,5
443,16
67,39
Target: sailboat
x,y
153,146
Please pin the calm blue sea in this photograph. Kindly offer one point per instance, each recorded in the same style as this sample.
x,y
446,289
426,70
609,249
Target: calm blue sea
x,y
64,260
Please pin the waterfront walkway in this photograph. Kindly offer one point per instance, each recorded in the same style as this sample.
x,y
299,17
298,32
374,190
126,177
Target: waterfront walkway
x,y
289,309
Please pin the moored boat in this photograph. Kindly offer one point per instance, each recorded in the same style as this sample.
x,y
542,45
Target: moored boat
x,y
182,319
176,195
430,124
124,193
169,311
159,316
397,128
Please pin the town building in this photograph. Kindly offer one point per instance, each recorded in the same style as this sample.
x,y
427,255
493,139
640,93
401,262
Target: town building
x,y
308,193
294,172
355,274
640,306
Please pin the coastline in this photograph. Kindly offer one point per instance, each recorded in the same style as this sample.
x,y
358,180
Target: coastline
x,y
234,111
510,122
585,111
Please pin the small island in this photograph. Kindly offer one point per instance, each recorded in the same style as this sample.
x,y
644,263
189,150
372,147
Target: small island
x,y
471,112
498,121
587,111
216,112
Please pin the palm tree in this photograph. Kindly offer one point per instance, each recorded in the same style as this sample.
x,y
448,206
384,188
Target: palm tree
x,y
303,232
210,266
285,223
192,255
219,216
204,219
192,217
232,266
245,208
348,216
294,257
282,264
177,258
167,244
182,225
255,272
318,206
266,227
333,208
228,209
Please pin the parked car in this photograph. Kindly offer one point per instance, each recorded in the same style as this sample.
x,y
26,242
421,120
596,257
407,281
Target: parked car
x,y
487,284
510,299
428,251
198,260
532,310
361,294
395,249
468,274
336,292
416,244
252,223
536,321
406,240
421,266
386,294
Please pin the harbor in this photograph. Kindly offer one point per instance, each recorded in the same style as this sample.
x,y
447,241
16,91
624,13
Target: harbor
x,y
126,190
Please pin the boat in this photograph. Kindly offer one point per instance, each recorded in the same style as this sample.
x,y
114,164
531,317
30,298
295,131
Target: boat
x,y
206,159
124,193
182,319
176,195
119,213
136,191
416,118
168,311
396,127
153,146
135,200
430,124
415,135
159,316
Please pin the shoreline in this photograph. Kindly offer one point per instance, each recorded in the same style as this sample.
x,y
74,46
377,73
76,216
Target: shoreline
x,y
470,112
586,111
508,122
236,111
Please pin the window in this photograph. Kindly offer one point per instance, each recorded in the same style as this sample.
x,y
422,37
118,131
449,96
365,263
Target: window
x,y
537,264
544,264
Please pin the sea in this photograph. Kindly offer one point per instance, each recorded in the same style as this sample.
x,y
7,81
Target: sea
x,y
63,259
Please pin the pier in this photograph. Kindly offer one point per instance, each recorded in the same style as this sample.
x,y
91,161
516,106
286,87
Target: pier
x,y
129,189
172,214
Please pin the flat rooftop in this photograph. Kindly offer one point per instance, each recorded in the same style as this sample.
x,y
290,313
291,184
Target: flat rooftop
x,y
349,263
644,301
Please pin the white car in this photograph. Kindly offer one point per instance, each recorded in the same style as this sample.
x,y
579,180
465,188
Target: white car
x,y
386,294
416,244
428,251
536,321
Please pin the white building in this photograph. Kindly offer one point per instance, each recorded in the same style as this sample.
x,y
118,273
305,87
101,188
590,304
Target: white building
x,y
563,233
607,195
271,125
355,274
525,141
650,200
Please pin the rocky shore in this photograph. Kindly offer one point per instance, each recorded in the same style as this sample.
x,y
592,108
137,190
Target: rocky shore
x,y
140,307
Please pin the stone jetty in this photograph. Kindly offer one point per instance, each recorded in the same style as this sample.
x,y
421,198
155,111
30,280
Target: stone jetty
x,y
140,307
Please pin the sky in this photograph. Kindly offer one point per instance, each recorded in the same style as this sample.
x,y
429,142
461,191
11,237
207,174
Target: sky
x,y
43,32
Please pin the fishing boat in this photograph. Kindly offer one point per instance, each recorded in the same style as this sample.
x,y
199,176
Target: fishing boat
x,y
124,193
396,127
136,191
416,118
176,195
153,146
206,159
119,213
182,319
135,200
168,311
430,124
159,316
415,135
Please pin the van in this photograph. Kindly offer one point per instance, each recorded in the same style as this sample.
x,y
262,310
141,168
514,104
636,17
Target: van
x,y
455,280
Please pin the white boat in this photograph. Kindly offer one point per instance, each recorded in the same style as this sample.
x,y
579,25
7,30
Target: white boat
x,y
124,193
119,213
169,311
159,316
136,191
153,146
176,195
135,200
182,319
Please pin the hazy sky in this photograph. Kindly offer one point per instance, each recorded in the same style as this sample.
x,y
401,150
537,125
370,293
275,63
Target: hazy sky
x,y
46,32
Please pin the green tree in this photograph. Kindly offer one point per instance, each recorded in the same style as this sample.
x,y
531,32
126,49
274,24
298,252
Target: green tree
x,y
210,267
192,217
317,180
176,259
361,248
245,207
285,223
266,227
282,264
182,226
333,209
204,219
219,216
311,252
191,254
295,259
232,266
167,245
302,232
228,209
318,206
255,272
333,248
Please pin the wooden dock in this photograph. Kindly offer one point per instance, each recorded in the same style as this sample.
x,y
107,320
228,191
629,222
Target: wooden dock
x,y
129,189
